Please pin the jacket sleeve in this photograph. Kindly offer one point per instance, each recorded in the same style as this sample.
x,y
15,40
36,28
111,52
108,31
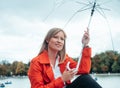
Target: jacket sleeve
x,y
35,75
85,64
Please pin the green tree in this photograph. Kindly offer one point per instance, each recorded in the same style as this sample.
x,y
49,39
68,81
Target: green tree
x,y
115,67
96,64
108,61
14,67
20,70
3,70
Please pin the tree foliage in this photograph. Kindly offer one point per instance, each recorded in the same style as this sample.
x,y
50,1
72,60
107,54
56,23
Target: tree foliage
x,y
104,62
16,68
108,61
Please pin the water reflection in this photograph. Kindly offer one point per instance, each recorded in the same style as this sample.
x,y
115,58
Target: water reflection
x,y
106,81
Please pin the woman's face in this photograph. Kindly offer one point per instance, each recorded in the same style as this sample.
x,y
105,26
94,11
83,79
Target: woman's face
x,y
56,43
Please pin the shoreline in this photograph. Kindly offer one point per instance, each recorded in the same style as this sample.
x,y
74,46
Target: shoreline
x,y
92,74
106,74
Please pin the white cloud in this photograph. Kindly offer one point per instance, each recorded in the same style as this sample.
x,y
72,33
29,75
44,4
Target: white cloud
x,y
21,37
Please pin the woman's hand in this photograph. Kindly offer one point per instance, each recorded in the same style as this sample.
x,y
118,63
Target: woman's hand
x,y
86,38
68,74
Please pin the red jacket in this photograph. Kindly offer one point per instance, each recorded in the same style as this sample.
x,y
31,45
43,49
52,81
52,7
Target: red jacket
x,y
41,75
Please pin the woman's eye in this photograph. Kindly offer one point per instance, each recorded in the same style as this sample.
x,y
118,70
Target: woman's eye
x,y
62,39
55,37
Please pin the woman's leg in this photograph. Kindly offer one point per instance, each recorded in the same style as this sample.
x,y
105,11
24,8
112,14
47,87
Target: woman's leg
x,y
84,81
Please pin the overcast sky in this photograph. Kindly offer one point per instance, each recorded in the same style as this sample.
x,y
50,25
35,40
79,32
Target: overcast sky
x,y
24,23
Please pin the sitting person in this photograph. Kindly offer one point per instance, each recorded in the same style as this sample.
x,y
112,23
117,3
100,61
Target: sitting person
x,y
48,68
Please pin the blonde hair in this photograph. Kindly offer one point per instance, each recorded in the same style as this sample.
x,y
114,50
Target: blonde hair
x,y
49,35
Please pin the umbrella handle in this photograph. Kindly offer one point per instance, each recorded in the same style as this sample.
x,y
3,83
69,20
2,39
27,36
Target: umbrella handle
x,y
78,63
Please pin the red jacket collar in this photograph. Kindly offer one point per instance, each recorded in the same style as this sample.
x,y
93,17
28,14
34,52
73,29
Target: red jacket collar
x,y
43,57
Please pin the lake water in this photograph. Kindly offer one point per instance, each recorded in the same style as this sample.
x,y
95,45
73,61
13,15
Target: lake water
x,y
106,81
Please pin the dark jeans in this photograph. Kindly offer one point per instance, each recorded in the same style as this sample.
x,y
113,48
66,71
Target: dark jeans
x,y
84,81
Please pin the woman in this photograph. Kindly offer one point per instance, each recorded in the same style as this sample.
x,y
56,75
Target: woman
x,y
48,69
